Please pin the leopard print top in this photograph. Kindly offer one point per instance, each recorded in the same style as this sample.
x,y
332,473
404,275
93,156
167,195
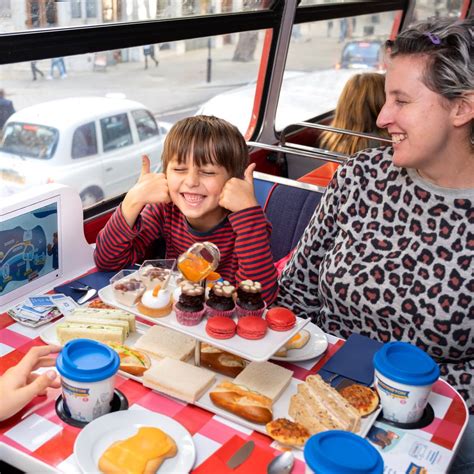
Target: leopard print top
x,y
390,256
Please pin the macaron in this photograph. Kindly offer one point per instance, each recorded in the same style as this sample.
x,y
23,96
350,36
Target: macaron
x,y
280,319
251,327
220,327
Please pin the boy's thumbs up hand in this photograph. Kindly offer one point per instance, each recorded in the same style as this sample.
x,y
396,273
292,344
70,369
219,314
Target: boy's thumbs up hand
x,y
238,194
151,188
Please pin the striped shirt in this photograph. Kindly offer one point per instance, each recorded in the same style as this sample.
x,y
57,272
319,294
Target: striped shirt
x,y
243,239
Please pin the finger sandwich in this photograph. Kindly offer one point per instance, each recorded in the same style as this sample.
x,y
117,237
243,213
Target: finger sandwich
x,y
66,331
106,314
178,379
120,323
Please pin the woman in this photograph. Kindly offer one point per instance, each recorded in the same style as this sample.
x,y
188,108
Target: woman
x,y
390,251
357,109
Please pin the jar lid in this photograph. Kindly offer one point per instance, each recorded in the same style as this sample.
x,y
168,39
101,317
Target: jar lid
x,y
406,364
84,360
336,451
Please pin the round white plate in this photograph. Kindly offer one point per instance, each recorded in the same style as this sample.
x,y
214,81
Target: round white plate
x,y
316,346
99,434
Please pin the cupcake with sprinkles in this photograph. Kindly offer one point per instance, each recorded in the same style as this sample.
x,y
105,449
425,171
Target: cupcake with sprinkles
x,y
249,299
221,300
190,307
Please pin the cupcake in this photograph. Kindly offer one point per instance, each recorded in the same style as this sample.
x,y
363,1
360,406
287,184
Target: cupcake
x,y
156,303
221,300
190,307
249,299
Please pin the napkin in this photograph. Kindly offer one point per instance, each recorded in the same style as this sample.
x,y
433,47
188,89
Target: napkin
x,y
257,462
354,360
95,280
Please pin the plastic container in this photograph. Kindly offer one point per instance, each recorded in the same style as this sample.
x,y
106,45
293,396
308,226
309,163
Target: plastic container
x,y
404,375
127,287
155,272
341,452
199,261
87,370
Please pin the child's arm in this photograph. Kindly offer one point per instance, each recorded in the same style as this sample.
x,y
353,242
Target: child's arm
x,y
252,244
18,385
134,225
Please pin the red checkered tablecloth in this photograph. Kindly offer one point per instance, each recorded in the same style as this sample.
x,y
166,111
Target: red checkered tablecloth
x,y
45,437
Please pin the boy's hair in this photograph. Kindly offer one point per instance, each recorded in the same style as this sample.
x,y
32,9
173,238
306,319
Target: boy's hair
x,y
208,140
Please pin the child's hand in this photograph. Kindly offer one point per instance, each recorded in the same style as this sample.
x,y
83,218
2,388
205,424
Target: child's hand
x,y
18,385
151,188
239,194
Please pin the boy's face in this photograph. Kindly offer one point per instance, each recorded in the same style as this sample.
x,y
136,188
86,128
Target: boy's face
x,y
196,191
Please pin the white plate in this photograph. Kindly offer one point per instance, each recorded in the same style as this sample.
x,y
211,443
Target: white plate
x,y
99,434
315,347
257,350
280,408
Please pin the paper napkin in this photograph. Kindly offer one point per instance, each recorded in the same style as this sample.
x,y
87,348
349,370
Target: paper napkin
x,y
354,360
257,462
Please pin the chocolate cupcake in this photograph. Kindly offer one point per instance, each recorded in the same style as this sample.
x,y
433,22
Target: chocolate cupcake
x,y
249,299
190,307
221,300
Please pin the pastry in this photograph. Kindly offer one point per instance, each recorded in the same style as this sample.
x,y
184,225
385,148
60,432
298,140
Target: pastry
x,y
128,291
220,361
156,303
221,300
280,319
190,307
220,327
252,327
362,398
249,299
298,341
287,432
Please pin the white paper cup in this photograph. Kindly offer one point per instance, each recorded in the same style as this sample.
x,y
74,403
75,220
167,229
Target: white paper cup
x,y
87,370
404,376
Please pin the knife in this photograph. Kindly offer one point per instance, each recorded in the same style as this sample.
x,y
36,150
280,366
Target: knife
x,y
241,455
90,293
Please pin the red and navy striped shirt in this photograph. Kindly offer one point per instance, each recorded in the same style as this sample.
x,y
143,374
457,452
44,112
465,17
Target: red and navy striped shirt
x,y
243,239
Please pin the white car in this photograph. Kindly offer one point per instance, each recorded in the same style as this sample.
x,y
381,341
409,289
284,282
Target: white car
x,y
93,144
303,95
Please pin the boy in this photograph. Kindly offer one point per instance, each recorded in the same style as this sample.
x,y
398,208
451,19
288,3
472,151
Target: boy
x,y
205,194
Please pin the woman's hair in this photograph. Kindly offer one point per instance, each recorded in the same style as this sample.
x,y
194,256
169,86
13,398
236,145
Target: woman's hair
x,y
357,109
207,140
448,46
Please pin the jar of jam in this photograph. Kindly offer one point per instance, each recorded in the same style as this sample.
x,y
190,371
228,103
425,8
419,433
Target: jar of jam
x,y
199,261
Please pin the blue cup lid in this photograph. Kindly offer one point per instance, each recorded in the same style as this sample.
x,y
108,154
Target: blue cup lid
x,y
342,452
84,360
407,364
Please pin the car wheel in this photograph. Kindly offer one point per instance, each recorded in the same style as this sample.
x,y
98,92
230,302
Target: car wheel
x,y
90,196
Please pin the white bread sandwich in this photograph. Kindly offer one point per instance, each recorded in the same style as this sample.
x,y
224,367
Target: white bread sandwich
x,y
106,314
178,379
66,331
123,325
160,342
265,378
319,407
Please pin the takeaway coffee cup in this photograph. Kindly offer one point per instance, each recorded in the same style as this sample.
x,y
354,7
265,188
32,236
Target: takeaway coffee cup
x,y
341,452
87,370
404,376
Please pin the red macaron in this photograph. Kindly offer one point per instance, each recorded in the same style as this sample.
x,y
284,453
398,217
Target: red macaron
x,y
220,327
280,319
251,327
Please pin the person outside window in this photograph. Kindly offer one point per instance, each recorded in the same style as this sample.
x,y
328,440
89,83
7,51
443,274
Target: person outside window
x,y
149,52
6,108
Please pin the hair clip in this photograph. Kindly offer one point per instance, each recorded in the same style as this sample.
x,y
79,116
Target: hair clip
x,y
435,39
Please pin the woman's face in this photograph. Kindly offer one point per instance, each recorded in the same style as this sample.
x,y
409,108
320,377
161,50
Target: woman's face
x,y
196,191
417,118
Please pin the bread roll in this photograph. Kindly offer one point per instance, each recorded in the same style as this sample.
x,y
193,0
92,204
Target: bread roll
x,y
241,401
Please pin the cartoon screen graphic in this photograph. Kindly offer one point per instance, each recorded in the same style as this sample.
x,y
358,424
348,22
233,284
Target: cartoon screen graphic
x,y
28,247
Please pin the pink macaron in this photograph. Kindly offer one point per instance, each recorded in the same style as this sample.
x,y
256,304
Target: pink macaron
x,y
280,319
251,327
